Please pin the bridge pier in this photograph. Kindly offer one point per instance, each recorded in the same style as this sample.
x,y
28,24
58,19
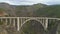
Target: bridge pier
x,y
6,21
10,20
18,27
14,22
46,24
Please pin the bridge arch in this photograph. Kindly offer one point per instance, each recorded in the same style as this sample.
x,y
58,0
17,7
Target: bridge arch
x,y
34,25
32,19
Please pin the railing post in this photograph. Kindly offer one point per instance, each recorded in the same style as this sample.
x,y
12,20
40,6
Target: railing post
x,y
18,24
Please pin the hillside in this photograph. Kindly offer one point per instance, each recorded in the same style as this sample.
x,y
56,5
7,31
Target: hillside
x,y
28,10
8,8
49,11
36,10
21,10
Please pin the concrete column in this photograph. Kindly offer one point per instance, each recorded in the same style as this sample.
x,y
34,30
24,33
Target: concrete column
x,y
43,21
18,24
46,23
21,21
10,21
6,21
56,32
13,21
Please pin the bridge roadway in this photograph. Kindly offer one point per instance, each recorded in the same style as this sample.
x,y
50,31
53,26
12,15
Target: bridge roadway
x,y
20,21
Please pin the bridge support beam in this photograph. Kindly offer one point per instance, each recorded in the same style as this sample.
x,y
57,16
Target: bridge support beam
x,y
10,21
14,21
46,24
18,24
6,21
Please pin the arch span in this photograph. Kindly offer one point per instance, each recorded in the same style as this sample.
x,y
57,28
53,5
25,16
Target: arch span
x,y
31,19
32,26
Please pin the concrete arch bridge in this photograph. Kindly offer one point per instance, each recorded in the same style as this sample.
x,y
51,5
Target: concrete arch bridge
x,y
18,22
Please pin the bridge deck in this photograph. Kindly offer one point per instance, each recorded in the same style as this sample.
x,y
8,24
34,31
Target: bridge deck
x,y
31,17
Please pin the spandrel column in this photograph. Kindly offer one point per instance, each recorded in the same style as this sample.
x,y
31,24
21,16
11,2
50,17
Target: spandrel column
x,y
14,21
10,21
46,24
6,21
18,24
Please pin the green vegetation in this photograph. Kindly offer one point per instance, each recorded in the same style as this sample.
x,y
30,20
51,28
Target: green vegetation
x,y
49,11
1,22
28,10
1,9
32,27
